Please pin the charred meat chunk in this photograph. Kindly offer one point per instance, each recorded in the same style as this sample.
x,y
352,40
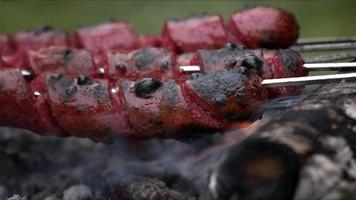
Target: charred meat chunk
x,y
165,113
230,56
15,100
146,86
284,63
44,122
264,27
230,93
146,62
84,109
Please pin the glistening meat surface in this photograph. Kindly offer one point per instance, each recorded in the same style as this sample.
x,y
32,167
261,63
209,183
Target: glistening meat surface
x,y
147,101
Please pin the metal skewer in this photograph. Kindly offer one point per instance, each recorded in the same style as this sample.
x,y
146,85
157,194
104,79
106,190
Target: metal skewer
x,y
310,66
309,80
325,44
329,66
331,57
304,41
190,68
25,73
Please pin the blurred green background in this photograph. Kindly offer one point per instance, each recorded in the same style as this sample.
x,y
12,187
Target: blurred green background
x,y
317,18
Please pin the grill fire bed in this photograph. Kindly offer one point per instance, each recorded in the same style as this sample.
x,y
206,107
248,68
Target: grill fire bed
x,y
312,144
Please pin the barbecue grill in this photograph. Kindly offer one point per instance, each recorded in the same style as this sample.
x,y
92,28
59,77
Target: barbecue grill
x,y
302,148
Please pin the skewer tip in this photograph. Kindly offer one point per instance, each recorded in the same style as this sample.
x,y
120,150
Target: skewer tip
x,y
190,68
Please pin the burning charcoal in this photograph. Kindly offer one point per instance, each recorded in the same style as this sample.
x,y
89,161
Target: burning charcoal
x,y
78,192
307,152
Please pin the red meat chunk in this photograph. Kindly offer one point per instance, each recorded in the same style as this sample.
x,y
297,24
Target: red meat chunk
x,y
44,123
15,100
150,41
107,36
159,109
264,27
156,62
41,38
233,94
284,63
15,60
82,107
185,59
70,61
197,32
5,44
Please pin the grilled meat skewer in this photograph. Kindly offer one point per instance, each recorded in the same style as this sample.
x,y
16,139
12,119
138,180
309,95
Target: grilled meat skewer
x,y
63,101
162,64
59,104
259,27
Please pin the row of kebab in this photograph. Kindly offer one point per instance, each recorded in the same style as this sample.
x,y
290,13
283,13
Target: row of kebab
x,y
106,81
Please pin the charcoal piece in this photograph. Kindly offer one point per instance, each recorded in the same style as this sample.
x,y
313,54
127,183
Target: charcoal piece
x,y
307,152
17,197
140,188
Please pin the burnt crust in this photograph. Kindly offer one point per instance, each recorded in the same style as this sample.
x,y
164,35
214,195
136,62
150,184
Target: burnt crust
x,y
216,87
146,86
290,59
144,58
1,83
231,56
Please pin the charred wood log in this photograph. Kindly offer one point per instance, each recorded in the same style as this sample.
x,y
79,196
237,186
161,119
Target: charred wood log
x,y
306,153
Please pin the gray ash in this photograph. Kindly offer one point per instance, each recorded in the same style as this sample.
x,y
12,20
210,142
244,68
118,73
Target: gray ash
x,y
36,168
